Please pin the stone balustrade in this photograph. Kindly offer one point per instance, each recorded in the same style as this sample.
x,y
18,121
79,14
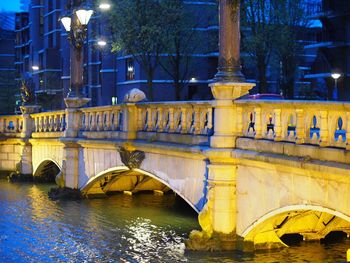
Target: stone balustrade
x,y
107,118
193,118
11,126
49,124
326,124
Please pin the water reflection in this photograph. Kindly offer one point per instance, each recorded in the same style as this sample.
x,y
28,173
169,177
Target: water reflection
x,y
120,228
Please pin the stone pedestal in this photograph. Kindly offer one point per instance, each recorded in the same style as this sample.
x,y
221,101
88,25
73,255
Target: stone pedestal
x,y
224,115
28,122
130,120
73,115
73,122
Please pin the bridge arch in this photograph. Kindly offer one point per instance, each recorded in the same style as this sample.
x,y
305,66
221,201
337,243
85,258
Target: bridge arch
x,y
313,222
103,182
48,169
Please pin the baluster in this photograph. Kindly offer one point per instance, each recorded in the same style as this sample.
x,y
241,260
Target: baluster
x,y
41,125
107,126
300,127
149,119
61,123
114,120
99,121
197,120
92,121
46,121
258,124
210,118
87,121
161,120
171,120
50,123
2,125
324,134
278,125
348,130
140,119
184,120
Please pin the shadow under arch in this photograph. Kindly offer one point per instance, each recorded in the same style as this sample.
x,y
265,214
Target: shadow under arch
x,y
47,171
110,174
280,221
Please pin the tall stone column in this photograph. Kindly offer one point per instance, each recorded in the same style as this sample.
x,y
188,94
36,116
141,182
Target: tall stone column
x,y
229,81
229,68
218,217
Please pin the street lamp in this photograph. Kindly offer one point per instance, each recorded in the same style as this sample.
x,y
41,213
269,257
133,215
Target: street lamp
x,y
335,76
75,24
104,6
101,43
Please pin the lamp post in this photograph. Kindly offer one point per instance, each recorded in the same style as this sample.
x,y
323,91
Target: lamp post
x,y
229,65
76,26
335,76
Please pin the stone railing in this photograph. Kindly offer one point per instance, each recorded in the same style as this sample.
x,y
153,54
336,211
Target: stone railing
x,y
49,124
145,120
326,124
98,119
193,118
11,126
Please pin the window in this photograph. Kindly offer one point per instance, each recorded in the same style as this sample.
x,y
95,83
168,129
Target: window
x,y
130,69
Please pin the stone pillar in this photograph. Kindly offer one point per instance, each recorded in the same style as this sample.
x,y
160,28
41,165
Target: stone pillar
x,y
28,122
73,122
26,164
130,120
26,167
225,112
70,167
218,218
222,197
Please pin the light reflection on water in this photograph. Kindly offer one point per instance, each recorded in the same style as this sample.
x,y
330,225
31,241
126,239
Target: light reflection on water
x,y
121,228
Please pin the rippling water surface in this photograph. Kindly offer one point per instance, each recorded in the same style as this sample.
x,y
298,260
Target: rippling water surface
x,y
120,228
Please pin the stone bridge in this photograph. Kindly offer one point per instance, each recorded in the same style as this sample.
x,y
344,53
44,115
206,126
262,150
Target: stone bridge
x,y
254,170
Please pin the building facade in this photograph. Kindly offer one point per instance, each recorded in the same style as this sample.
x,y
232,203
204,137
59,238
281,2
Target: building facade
x,y
43,53
332,50
7,65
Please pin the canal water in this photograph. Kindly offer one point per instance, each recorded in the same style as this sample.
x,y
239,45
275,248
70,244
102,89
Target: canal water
x,y
119,228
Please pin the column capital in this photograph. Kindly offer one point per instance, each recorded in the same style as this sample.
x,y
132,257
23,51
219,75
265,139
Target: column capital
x,y
230,90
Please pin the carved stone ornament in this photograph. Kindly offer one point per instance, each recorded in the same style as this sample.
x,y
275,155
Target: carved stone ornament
x,y
27,94
131,159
